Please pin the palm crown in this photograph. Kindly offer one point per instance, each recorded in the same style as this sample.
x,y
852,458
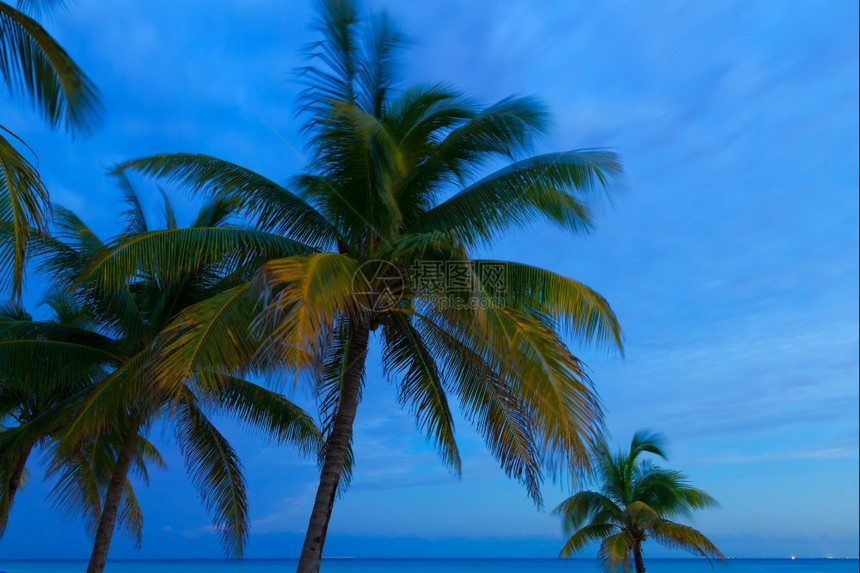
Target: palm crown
x,y
637,501
394,187
96,399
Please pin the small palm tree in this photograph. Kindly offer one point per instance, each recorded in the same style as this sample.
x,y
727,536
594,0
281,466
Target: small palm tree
x,y
95,447
636,502
45,365
36,374
34,65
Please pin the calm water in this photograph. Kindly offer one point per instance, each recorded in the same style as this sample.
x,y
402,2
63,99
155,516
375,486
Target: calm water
x,y
433,565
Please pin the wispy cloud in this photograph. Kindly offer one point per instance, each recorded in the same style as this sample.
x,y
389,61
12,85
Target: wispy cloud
x,y
824,454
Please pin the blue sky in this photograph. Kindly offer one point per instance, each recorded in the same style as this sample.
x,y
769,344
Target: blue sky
x,y
729,251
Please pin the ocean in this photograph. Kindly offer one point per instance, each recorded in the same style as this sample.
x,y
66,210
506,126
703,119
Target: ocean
x,y
434,565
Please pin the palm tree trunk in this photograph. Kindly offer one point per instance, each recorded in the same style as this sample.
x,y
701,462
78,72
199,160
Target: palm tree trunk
x,y
337,447
637,557
18,471
110,509
13,485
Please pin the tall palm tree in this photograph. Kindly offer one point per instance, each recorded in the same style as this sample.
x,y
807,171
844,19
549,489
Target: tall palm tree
x,y
392,200
34,65
637,502
94,449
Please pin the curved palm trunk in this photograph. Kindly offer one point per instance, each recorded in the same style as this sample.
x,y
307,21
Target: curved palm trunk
x,y
13,485
336,451
110,509
18,472
637,557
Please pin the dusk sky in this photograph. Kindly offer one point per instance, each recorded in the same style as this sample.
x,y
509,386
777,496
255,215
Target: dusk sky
x,y
729,251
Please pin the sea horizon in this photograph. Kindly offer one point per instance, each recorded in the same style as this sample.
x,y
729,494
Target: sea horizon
x,y
347,564
340,557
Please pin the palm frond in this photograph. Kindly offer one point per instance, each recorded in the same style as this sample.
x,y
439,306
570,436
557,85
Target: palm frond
x,y
640,516
216,472
147,453
336,61
507,127
107,402
167,210
271,206
44,368
550,379
590,533
420,115
130,516
24,205
303,297
63,254
81,475
355,158
208,340
503,419
270,413
647,441
377,70
57,331
12,467
614,551
446,138
173,254
37,8
33,64
670,493
678,536
134,216
578,308
544,187
67,310
12,310
70,228
412,366
216,213
586,506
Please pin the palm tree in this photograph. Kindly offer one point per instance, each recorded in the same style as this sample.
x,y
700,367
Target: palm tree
x,y
95,448
34,65
45,365
36,375
392,201
636,502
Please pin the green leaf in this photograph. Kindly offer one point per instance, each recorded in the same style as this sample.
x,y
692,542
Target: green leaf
x,y
273,207
495,407
543,187
270,413
303,297
216,472
173,254
411,365
577,308
24,208
32,63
